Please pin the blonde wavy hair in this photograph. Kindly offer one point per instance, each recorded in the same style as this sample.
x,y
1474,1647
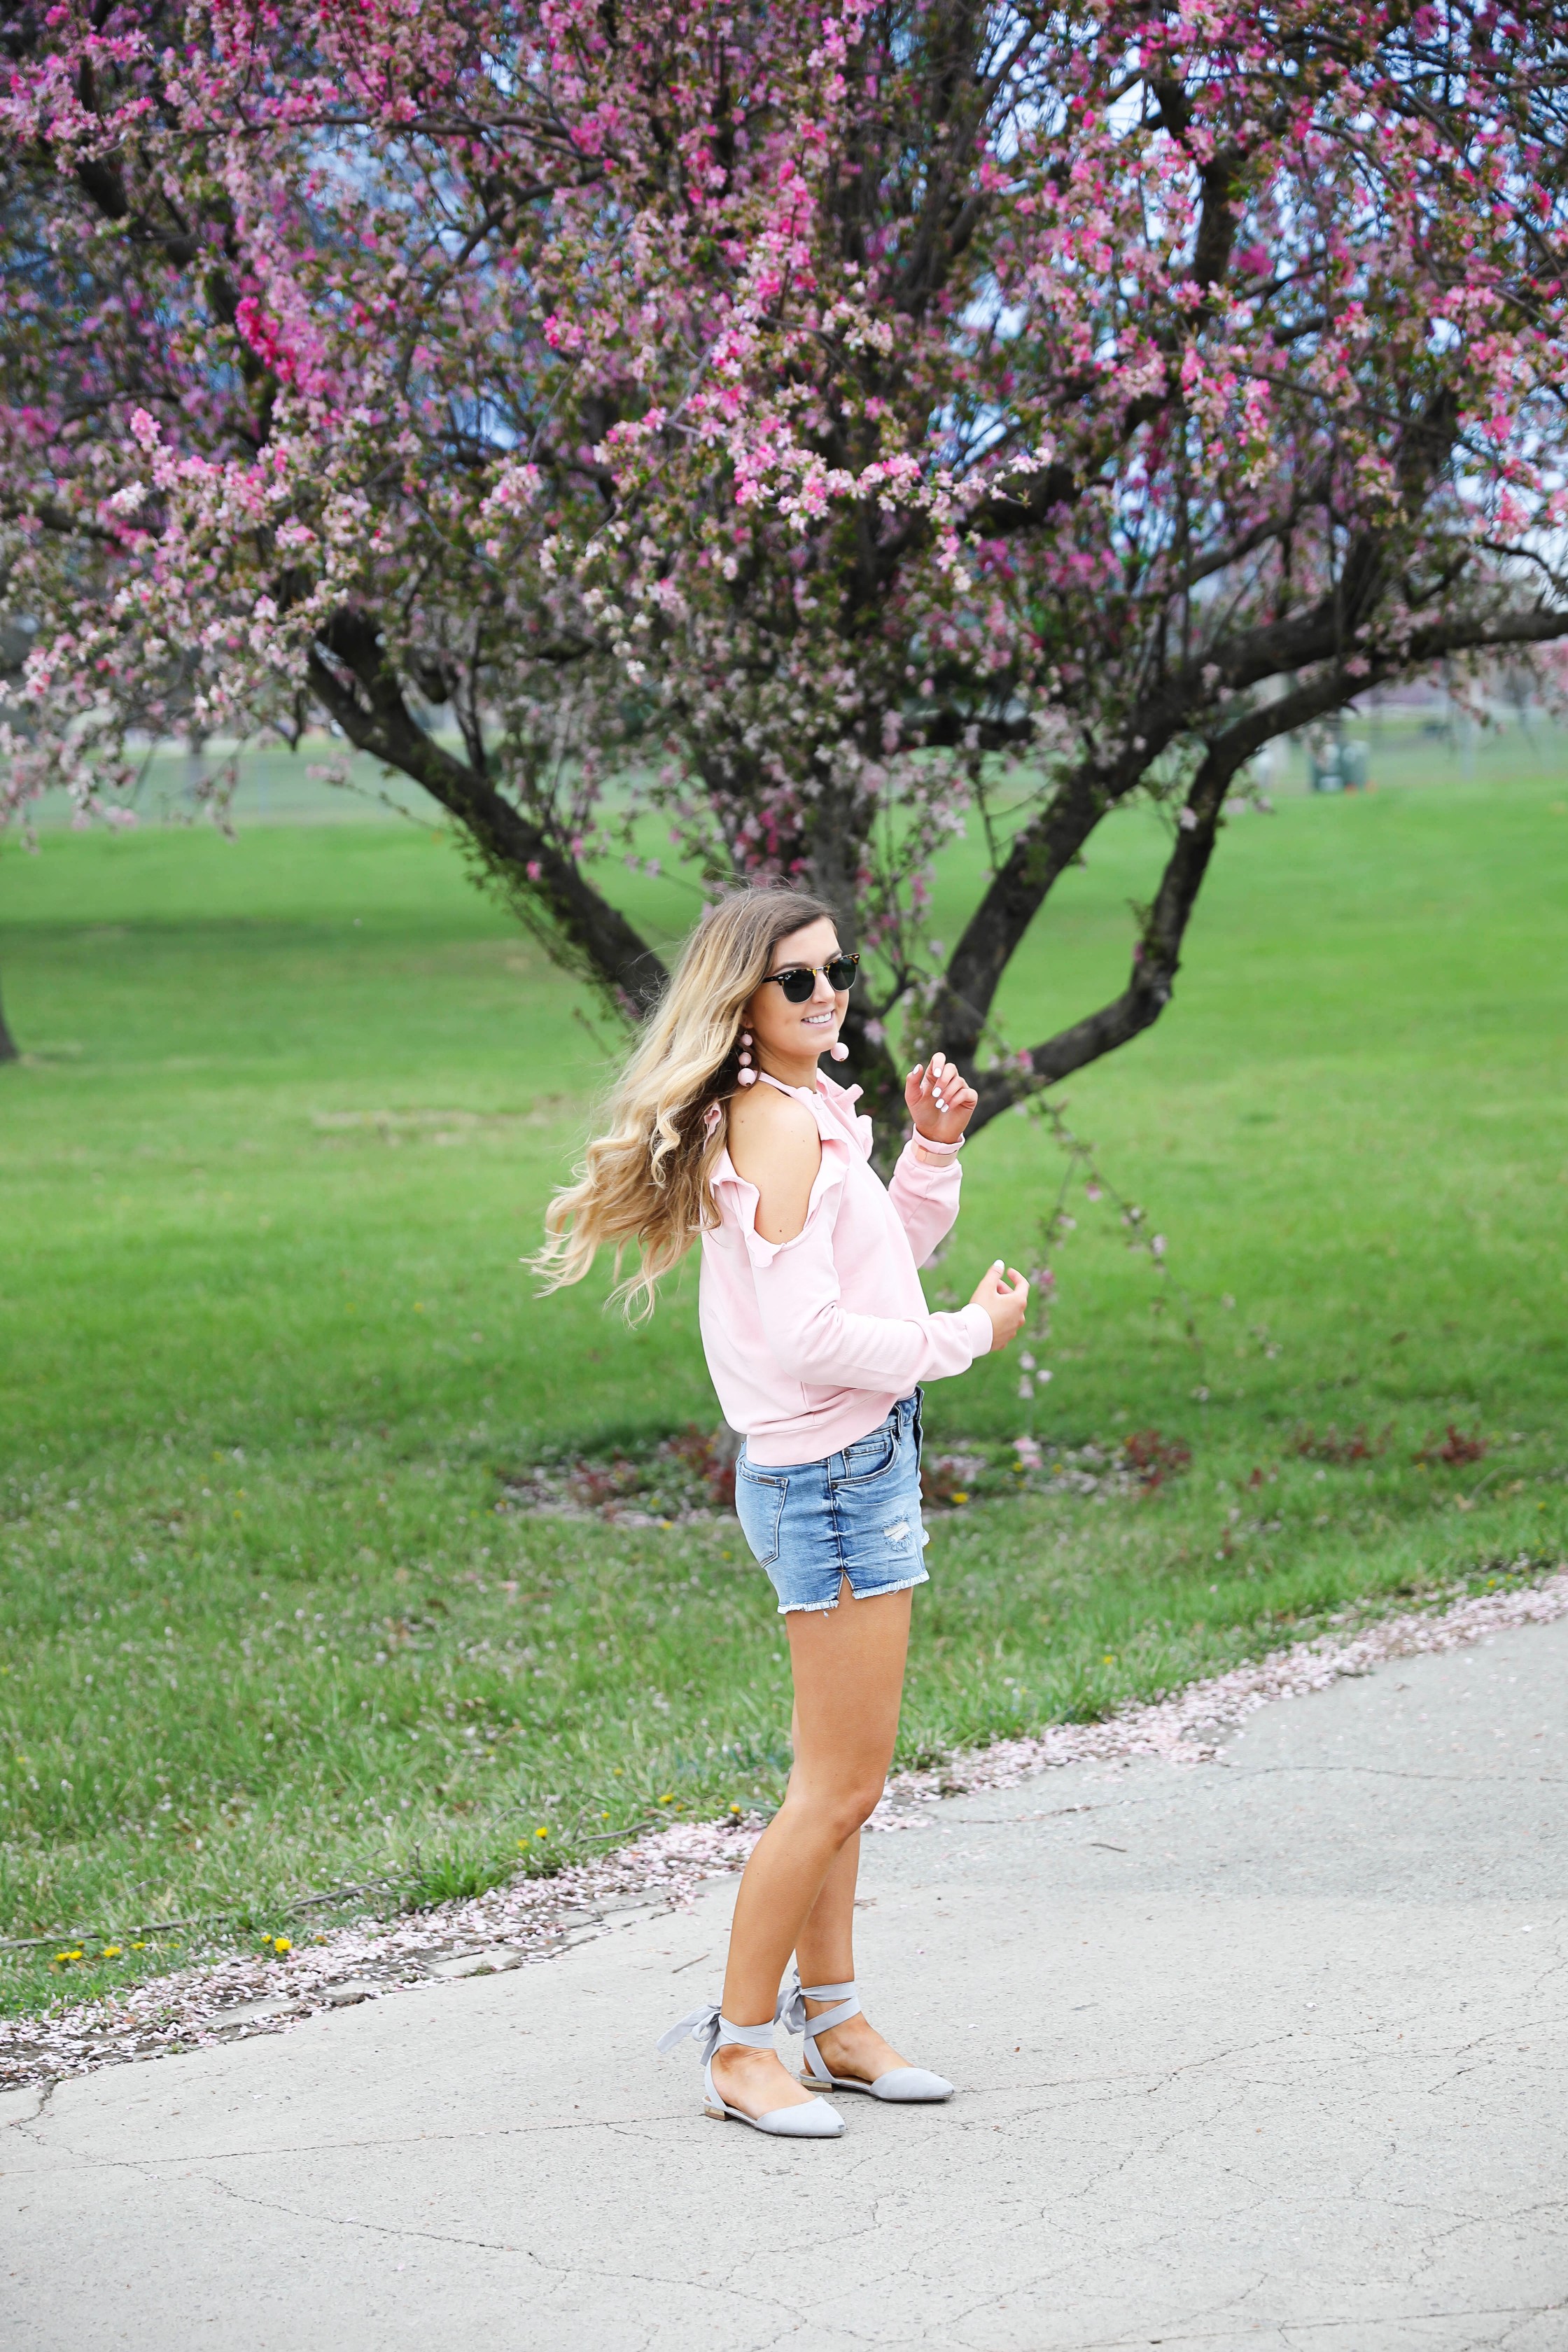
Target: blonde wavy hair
x,y
647,1180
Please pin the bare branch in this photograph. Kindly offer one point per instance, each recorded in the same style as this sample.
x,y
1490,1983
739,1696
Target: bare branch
x,y
356,687
1157,956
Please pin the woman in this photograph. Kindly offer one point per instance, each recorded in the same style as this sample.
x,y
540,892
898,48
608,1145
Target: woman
x,y
817,1334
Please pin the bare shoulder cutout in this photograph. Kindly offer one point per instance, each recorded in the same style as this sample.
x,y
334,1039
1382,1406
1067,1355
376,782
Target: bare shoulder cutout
x,y
776,1145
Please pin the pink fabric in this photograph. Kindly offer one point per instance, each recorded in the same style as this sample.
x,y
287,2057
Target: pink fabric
x,y
810,1341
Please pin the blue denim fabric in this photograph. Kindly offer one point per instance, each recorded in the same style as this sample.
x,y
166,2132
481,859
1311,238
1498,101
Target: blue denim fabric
x,y
855,1516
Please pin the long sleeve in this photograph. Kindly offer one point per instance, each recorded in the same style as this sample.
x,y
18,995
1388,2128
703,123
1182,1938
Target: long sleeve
x,y
810,1341
814,1338
924,1193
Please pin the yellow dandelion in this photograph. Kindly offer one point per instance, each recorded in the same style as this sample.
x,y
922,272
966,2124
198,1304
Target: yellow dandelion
x,y
281,1944
542,1832
111,1952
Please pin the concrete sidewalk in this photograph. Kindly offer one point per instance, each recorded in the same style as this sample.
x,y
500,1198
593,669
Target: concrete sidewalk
x,y
1266,2053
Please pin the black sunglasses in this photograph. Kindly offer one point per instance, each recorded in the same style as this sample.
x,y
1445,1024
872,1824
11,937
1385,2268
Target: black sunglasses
x,y
799,983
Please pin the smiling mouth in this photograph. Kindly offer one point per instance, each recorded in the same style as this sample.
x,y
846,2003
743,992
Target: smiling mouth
x,y
820,1020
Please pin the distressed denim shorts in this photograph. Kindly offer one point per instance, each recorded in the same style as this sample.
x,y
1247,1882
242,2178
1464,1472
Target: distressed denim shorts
x,y
855,1516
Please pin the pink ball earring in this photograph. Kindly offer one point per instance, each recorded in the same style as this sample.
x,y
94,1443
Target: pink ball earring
x,y
748,1077
839,1052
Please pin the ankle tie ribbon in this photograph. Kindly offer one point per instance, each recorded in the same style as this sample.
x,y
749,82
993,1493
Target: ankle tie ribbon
x,y
710,2030
790,2014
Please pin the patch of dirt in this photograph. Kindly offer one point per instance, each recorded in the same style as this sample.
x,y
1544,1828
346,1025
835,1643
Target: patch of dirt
x,y
673,1481
979,1472
1454,1448
666,1482
1329,1446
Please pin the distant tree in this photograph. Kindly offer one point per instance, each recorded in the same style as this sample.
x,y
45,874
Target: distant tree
x,y
839,425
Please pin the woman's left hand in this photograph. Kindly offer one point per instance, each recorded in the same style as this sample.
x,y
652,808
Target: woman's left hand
x,y
940,1100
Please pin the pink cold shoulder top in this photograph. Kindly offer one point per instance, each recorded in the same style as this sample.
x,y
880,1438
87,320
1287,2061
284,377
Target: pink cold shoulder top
x,y
810,1341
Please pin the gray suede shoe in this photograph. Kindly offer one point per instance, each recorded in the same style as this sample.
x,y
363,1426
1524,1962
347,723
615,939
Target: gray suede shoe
x,y
906,2085
814,2120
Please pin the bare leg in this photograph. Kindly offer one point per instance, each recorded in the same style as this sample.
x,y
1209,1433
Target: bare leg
x,y
849,1666
825,1949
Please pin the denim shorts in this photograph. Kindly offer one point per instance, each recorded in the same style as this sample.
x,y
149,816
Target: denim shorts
x,y
855,1516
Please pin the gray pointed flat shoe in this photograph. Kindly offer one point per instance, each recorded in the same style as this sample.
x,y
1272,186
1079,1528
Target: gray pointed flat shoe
x,y
814,2120
914,2085
903,2085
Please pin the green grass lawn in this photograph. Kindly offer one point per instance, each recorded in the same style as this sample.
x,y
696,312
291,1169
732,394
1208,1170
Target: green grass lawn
x,y
290,1111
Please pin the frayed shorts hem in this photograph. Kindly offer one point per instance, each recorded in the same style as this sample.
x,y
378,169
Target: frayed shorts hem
x,y
821,1608
852,1518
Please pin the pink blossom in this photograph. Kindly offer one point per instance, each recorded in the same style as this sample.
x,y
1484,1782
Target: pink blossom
x,y
668,472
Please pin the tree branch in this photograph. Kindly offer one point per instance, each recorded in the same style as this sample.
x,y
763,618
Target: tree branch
x,y
368,705
1041,851
1326,631
1156,959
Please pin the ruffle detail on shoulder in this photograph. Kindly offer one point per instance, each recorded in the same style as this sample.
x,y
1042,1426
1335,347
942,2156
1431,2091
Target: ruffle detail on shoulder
x,y
737,1201
836,1104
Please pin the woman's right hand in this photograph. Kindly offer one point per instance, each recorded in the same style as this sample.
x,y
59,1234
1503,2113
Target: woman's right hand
x,y
1006,1306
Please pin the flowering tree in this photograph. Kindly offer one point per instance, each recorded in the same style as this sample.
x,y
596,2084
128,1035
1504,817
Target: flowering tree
x,y
815,429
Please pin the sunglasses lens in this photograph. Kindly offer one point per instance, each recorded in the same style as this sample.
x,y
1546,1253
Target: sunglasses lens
x,y
800,985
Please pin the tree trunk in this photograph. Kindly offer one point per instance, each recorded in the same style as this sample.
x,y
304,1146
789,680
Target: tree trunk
x,y
7,1042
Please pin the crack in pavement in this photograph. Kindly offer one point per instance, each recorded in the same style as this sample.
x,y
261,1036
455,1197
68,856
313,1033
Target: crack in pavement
x,y
398,2140
564,2273
348,2222
1416,2318
24,2123
1377,2138
1117,2087
1295,2328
